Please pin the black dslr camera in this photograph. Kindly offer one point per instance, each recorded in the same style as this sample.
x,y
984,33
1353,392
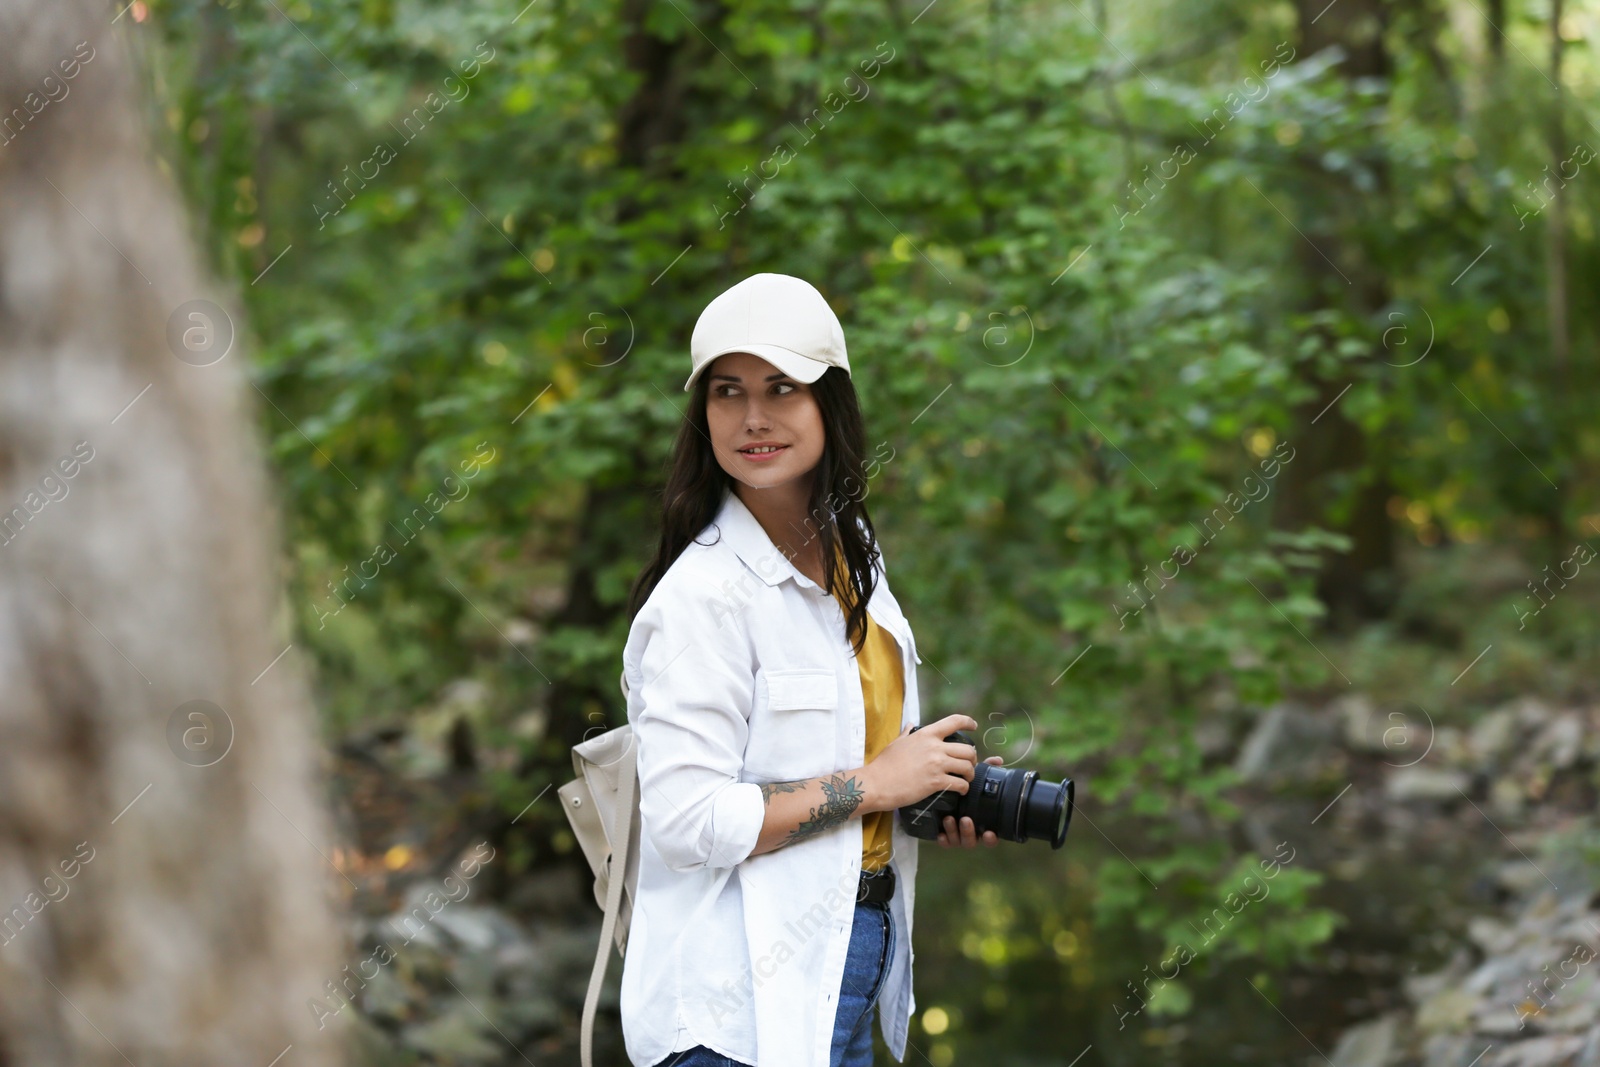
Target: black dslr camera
x,y
1012,803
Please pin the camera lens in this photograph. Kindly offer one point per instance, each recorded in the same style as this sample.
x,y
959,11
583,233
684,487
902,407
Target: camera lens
x,y
1047,811
1013,803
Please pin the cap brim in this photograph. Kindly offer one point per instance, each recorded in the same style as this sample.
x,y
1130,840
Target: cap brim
x,y
800,368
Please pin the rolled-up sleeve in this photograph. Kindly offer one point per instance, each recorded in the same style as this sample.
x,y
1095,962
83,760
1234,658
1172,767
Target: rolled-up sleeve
x,y
696,682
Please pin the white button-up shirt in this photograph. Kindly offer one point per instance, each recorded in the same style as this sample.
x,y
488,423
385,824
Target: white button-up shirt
x,y
739,671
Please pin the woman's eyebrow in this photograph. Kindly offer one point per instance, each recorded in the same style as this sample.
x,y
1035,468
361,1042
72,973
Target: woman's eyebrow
x,y
736,378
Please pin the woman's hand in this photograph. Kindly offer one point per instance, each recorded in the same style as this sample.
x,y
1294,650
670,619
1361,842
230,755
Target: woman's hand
x,y
968,836
920,764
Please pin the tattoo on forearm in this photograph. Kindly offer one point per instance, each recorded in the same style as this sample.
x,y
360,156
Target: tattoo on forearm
x,y
844,795
770,789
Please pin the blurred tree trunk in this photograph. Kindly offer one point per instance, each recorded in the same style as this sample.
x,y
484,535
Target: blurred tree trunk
x,y
162,899
1335,459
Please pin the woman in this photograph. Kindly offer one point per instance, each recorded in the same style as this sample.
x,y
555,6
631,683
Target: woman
x,y
772,690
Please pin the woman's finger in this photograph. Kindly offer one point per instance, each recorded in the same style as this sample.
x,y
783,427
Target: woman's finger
x,y
960,768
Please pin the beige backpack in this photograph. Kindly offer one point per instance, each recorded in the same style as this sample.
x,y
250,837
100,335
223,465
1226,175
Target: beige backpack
x,y
602,804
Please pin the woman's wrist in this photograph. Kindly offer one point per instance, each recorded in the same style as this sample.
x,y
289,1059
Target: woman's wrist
x,y
872,797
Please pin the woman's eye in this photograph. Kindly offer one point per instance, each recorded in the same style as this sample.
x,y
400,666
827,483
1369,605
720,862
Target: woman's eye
x,y
786,386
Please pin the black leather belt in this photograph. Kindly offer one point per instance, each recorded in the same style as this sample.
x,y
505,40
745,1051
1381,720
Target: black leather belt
x,y
876,888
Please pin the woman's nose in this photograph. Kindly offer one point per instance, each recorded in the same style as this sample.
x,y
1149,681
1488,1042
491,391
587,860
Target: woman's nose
x,y
755,416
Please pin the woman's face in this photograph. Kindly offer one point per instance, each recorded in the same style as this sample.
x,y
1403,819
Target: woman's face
x,y
750,402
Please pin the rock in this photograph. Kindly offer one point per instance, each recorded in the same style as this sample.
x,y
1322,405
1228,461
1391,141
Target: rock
x,y
1591,735
422,752
385,996
459,1035
1422,987
1451,746
533,1012
1354,712
1403,734
414,922
531,725
1500,974
1508,797
467,695
1505,1019
1289,739
1580,927
473,985
1426,783
1492,736
1452,1050
1407,737
471,926
412,927
1531,712
552,892
1492,936
1519,877
1539,1051
1446,1012
1561,741
474,975
1574,1009
517,956
369,1044
1367,1045
520,631
426,750
1527,986
1213,738
1590,1055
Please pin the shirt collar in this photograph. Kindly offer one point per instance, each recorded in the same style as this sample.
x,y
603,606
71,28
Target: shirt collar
x,y
749,540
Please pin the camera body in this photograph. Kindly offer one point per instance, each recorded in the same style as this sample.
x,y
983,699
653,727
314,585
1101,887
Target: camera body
x,y
1015,804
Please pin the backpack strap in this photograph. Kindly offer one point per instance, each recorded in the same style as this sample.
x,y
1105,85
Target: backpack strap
x,y
620,837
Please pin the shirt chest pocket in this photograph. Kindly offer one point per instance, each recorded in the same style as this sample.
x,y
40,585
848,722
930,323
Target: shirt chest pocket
x,y
793,725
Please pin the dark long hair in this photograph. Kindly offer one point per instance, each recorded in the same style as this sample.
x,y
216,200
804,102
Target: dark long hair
x,y
837,512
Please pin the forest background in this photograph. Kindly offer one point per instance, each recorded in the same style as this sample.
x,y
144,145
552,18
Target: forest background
x,y
1215,355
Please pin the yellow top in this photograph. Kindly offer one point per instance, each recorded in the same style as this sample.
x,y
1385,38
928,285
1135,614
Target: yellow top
x,y
883,687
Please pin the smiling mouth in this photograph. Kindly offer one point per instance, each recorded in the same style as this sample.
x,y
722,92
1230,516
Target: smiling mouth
x,y
765,450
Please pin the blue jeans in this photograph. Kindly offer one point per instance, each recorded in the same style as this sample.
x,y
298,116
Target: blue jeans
x,y
866,968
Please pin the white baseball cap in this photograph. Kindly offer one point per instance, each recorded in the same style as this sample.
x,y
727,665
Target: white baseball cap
x,y
781,318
